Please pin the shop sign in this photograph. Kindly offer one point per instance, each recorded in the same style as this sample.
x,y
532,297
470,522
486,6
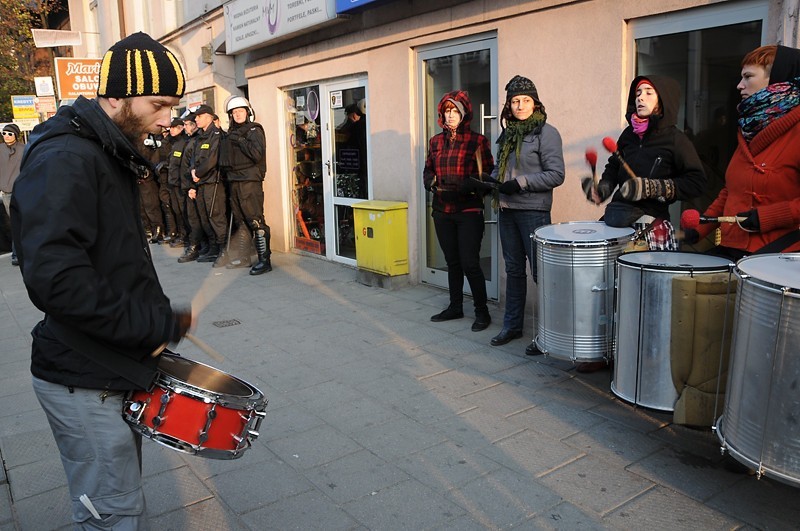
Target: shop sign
x,y
77,77
45,104
44,86
23,107
343,6
250,23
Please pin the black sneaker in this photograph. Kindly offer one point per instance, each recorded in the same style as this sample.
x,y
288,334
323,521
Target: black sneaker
x,y
448,314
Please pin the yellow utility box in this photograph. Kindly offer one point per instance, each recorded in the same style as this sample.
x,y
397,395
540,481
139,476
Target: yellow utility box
x,y
382,236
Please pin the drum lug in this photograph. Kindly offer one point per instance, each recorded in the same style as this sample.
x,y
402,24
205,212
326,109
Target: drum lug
x,y
212,414
159,418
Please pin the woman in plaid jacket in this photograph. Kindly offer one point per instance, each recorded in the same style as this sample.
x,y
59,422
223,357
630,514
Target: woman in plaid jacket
x,y
457,159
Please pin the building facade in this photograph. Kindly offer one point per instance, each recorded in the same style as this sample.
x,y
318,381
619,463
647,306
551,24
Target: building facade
x,y
309,67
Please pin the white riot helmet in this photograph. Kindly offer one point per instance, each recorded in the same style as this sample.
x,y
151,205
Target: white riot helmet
x,y
236,102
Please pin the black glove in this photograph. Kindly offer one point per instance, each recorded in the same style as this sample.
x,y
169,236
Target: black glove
x,y
181,322
751,223
637,188
604,190
587,183
510,187
479,183
691,236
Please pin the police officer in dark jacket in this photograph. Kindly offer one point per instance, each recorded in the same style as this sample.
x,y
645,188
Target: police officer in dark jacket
x,y
211,197
244,158
197,236
86,265
176,143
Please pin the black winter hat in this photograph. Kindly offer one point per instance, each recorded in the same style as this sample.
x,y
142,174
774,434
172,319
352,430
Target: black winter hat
x,y
14,128
519,86
140,66
176,122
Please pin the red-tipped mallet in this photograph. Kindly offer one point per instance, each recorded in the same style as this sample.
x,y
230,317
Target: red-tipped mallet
x,y
691,219
591,159
611,147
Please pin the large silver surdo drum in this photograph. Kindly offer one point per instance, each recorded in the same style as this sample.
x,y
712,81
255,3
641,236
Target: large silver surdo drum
x,y
576,288
642,369
760,425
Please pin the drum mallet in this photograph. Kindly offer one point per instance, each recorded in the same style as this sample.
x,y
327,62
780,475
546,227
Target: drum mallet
x,y
591,159
611,147
205,347
691,219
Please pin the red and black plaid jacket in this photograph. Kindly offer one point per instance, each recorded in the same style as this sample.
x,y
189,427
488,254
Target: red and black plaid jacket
x,y
450,161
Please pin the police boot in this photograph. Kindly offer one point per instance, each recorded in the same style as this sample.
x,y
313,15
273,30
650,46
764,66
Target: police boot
x,y
223,258
190,254
157,235
169,225
243,245
262,250
211,255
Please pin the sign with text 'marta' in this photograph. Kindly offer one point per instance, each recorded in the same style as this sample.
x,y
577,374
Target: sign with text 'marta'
x,y
251,23
77,77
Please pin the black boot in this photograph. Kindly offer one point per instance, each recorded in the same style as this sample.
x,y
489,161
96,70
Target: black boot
x,y
157,236
262,250
169,224
223,258
243,247
190,254
211,255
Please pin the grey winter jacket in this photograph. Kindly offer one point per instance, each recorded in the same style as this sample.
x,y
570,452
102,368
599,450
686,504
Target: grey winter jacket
x,y
539,170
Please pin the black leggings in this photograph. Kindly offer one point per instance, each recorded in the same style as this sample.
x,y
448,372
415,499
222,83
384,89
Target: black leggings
x,y
460,236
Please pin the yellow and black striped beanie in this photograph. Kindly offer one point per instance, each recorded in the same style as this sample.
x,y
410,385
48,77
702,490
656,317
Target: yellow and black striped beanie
x,y
138,65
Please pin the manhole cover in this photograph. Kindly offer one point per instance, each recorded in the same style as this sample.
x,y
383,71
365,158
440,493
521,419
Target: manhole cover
x,y
229,322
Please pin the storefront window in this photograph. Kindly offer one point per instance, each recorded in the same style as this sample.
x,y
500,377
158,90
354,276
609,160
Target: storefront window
x,y
308,201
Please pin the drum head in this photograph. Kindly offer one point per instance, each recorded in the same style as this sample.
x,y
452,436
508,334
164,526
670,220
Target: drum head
x,y
671,261
203,377
780,270
581,231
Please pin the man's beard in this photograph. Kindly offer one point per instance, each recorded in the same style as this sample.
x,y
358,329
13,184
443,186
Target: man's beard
x,y
130,125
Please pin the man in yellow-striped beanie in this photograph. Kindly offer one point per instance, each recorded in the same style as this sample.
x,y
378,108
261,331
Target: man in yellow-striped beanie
x,y
83,257
140,66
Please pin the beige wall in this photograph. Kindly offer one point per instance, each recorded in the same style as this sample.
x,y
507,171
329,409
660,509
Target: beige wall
x,y
576,53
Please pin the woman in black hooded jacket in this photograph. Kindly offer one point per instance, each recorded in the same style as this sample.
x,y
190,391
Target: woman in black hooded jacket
x,y
662,158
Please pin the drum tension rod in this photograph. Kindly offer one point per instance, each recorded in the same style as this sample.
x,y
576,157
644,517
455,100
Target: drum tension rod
x,y
212,414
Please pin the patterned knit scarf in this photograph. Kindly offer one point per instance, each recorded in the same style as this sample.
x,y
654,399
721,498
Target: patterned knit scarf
x,y
766,106
512,137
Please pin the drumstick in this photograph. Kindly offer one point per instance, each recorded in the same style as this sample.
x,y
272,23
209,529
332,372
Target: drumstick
x,y
205,347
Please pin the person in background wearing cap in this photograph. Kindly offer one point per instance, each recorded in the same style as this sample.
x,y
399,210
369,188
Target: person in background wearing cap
x,y
530,164
175,142
762,182
665,162
245,164
455,156
173,149
210,196
86,264
149,191
10,159
197,242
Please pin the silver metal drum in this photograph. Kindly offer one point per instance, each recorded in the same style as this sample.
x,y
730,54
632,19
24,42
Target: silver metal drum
x,y
642,372
760,425
576,288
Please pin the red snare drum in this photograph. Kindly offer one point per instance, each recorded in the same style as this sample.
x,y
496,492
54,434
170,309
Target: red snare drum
x,y
197,409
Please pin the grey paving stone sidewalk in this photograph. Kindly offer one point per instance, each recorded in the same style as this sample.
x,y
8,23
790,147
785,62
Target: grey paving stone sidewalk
x,y
380,419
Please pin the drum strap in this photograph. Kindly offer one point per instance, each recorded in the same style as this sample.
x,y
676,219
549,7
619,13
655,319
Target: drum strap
x,y
777,246
108,357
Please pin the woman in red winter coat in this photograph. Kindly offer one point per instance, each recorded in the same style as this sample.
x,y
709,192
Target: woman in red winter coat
x,y
762,183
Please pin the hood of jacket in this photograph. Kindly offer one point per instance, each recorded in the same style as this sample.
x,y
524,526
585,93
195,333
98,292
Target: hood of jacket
x,y
461,100
669,97
786,65
87,119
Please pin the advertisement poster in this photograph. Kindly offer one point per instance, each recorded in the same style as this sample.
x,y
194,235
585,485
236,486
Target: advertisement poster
x,y
77,77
